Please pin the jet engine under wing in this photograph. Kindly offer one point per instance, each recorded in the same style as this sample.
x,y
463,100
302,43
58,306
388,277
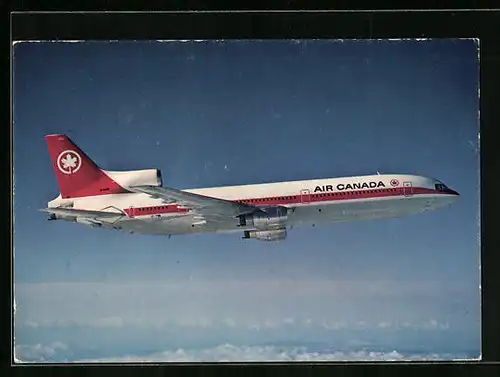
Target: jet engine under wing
x,y
205,205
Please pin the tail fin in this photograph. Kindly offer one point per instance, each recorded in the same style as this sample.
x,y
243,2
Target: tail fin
x,y
77,175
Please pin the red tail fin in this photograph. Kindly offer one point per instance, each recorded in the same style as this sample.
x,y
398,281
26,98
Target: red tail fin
x,y
77,175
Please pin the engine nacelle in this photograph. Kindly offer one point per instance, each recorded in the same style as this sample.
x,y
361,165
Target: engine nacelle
x,y
82,220
273,217
266,235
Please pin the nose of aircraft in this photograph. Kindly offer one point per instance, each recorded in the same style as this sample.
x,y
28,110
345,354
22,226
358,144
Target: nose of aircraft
x,y
453,196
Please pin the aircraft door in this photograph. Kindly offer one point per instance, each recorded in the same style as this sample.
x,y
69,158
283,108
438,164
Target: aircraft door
x,y
305,196
407,189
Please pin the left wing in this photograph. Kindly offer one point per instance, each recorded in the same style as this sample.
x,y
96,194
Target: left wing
x,y
93,218
83,213
205,206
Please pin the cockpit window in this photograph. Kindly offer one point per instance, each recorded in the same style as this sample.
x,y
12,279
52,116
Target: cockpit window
x,y
441,187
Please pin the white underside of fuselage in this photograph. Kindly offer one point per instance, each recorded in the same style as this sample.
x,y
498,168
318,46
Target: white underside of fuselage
x,y
300,214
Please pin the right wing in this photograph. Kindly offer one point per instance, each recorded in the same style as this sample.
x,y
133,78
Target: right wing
x,y
203,205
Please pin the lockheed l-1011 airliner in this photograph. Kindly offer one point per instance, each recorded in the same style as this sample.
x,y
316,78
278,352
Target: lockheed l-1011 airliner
x,y
137,202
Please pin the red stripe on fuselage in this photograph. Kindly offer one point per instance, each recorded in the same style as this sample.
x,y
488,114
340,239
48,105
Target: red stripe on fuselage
x,y
154,210
323,197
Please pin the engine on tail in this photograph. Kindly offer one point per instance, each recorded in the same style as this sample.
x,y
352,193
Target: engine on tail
x,y
266,235
269,218
148,177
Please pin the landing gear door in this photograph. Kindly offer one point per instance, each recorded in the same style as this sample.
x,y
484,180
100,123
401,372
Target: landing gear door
x,y
305,196
407,189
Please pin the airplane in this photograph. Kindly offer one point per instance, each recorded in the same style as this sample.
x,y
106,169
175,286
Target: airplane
x,y
137,202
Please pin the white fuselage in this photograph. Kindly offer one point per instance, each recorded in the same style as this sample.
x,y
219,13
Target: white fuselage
x,y
309,201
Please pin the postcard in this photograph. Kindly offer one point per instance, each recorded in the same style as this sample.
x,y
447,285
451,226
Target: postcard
x,y
246,200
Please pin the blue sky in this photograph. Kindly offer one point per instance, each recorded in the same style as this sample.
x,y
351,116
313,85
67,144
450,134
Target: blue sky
x,y
225,113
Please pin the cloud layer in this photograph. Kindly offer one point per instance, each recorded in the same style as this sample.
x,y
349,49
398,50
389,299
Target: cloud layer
x,y
115,319
232,353
255,304
39,352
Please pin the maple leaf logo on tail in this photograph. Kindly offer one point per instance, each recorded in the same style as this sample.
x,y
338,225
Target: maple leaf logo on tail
x,y
76,174
69,162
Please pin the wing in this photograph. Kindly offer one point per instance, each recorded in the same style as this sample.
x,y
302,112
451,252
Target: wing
x,y
95,215
204,206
